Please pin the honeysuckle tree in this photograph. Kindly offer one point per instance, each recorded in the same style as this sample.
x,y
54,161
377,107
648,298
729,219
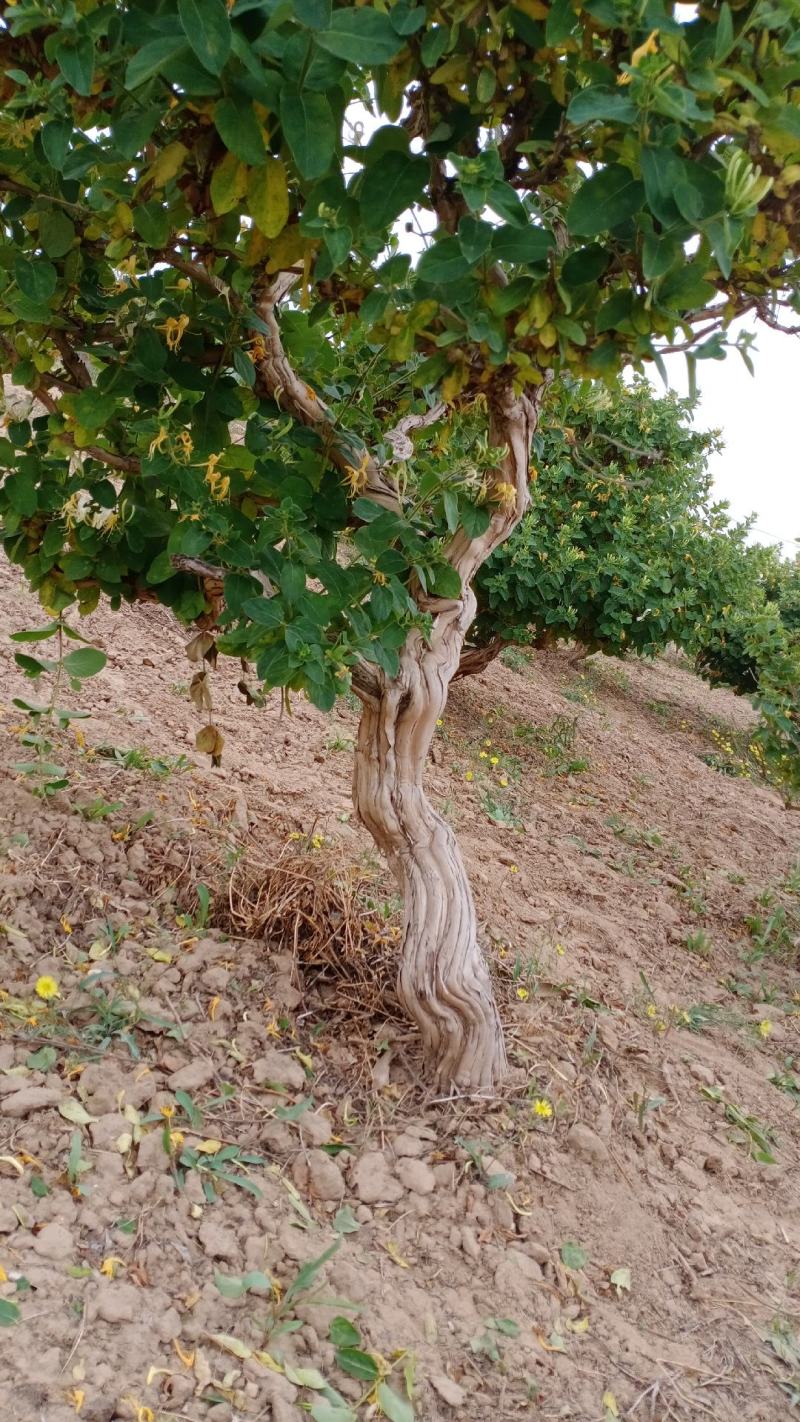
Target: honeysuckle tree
x,y
203,224
624,548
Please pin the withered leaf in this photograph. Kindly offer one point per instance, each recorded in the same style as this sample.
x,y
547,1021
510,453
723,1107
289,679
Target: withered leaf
x,y
210,741
200,692
200,646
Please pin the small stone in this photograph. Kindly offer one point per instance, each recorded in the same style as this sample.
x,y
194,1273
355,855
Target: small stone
x,y
702,1073
416,1176
469,1242
106,1130
373,1181
8,1221
192,1076
449,1391
586,1143
714,1164
217,1242
31,1098
324,1176
151,1154
315,1129
406,1144
117,1302
53,1242
277,1069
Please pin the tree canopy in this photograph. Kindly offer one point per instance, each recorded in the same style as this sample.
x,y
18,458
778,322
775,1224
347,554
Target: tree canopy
x,y
245,388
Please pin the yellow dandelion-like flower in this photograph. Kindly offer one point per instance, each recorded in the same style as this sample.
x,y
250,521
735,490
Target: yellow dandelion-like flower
x,y
765,1028
469,775
494,759
513,869
174,329
503,781
543,1108
317,841
651,1009
523,994
484,755
560,949
439,721
487,743
47,988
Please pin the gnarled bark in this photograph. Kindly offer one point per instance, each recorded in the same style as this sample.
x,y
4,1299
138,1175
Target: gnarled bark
x,y
474,660
444,983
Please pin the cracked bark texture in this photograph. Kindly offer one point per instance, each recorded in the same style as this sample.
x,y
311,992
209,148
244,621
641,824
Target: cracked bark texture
x,y
444,983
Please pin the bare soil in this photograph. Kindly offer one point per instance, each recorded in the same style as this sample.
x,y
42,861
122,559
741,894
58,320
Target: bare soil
x,y
603,1240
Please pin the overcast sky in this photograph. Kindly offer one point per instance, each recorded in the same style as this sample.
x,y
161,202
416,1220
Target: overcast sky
x,y
759,416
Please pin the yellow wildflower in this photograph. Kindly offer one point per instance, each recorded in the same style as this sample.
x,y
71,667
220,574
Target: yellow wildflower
x,y
506,495
487,743
317,841
542,1107
513,869
560,949
503,781
46,988
651,1009
765,1028
185,445
356,479
174,328
484,755
379,578
157,444
523,994
439,721
494,759
219,484
469,775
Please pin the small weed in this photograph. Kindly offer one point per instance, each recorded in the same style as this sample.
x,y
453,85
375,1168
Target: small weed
x,y
774,934
515,659
198,920
699,943
662,709
339,743
788,1080
644,1106
580,692
747,1130
138,759
216,1165
77,1165
651,839
487,1344
99,809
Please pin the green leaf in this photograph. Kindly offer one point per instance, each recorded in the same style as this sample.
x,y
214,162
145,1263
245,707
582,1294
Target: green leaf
x,y
268,197
228,184
35,634
345,1222
330,1412
74,56
208,30
585,265
604,201
151,59
308,127
389,186
363,36
443,262
343,1333
315,14
474,237
39,1187
41,1060
9,1313
152,222
358,1364
132,130
56,233
521,244
239,130
92,408
393,1406
234,1286
725,39
475,519
601,102
21,493
55,138
561,21
85,662
35,277
573,1256
445,581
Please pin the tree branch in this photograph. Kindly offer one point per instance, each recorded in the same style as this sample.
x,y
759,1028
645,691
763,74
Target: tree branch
x,y
279,379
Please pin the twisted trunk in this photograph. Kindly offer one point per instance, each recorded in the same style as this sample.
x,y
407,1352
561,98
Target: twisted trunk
x,y
443,984
475,660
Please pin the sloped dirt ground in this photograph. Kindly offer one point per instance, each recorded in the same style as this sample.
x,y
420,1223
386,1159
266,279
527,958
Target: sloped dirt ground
x,y
626,1256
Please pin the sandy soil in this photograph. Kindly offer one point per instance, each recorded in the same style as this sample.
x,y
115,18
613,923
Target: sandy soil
x,y
627,1255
